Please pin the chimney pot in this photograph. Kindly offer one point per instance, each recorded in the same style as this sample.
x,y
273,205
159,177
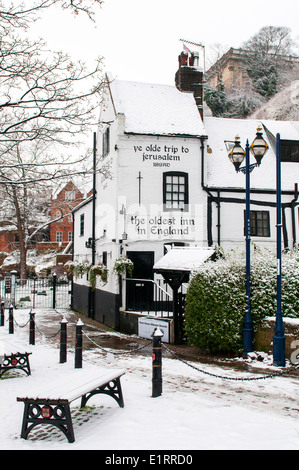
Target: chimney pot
x,y
195,56
183,59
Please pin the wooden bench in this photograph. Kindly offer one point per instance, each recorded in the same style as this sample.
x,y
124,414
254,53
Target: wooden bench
x,y
15,361
51,405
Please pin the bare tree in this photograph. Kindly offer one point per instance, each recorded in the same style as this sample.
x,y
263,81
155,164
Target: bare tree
x,y
267,56
44,95
20,13
45,99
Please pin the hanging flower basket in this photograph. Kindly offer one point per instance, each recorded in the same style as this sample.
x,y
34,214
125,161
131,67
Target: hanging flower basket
x,y
123,266
76,268
95,271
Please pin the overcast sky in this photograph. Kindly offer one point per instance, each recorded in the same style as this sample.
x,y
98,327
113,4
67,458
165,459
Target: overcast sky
x,y
140,40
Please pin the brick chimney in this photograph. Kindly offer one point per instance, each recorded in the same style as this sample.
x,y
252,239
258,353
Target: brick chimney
x,y
189,77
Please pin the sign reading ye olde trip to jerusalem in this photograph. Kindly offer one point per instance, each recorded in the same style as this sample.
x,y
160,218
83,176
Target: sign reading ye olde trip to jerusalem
x,y
161,155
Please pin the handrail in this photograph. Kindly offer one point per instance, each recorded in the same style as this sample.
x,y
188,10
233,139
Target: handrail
x,y
150,280
159,302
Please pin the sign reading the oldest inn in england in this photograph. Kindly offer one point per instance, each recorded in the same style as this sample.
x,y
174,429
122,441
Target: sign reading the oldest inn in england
x,y
159,226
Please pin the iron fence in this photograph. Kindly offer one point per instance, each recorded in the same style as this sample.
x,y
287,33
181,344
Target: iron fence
x,y
36,292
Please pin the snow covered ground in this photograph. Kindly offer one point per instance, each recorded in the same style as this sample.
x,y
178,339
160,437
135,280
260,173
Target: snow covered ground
x,y
196,411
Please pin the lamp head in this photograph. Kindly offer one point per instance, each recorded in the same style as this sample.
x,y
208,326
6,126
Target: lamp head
x,y
259,146
237,154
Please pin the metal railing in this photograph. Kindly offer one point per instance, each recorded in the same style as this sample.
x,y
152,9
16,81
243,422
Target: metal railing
x,y
35,293
147,296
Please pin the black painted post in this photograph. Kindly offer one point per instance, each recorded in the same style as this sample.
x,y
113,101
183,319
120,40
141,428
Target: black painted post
x,y
78,345
63,340
34,292
13,288
32,328
54,291
10,321
2,314
157,363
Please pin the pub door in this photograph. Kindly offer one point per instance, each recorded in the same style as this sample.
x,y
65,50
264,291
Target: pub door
x,y
139,291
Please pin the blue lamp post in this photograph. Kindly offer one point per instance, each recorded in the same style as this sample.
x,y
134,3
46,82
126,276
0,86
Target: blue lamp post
x,y
278,338
258,148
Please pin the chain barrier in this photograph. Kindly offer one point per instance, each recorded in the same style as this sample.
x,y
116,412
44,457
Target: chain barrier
x,y
175,355
36,327
242,379
20,326
114,351
45,336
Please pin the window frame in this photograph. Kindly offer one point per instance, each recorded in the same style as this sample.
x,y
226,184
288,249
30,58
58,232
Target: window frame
x,y
289,151
70,195
256,229
59,234
185,200
81,227
106,142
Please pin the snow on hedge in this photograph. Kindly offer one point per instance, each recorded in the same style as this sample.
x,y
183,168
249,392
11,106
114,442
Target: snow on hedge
x,y
216,297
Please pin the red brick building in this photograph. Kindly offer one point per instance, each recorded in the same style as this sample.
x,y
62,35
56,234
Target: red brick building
x,y
7,239
66,199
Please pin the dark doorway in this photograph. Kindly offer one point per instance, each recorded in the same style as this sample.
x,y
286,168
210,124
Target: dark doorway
x,y
139,291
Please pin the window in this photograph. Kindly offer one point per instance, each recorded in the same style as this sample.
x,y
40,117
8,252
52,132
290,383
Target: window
x,y
259,223
175,190
289,150
59,237
70,195
106,142
81,225
70,236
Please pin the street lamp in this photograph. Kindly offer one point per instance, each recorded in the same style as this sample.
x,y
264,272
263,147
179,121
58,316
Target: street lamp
x,y
258,148
278,338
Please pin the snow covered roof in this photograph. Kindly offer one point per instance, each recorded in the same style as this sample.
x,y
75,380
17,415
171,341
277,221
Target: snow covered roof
x,y
288,130
156,109
184,259
221,173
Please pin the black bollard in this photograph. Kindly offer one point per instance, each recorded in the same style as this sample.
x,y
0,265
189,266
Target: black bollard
x,y
54,290
32,328
78,345
10,321
2,314
63,341
157,363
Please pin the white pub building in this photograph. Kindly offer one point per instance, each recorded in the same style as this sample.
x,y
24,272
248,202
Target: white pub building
x,y
167,195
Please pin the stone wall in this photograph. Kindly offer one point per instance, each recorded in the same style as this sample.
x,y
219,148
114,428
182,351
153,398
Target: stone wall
x,y
265,333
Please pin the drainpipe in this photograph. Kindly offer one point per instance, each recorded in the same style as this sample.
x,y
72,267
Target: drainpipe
x,y
211,199
93,252
218,220
293,204
91,307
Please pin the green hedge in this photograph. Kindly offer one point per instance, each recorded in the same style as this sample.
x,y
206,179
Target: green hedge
x,y
216,298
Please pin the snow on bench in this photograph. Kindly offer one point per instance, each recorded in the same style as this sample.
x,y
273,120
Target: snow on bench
x,y
13,360
50,404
